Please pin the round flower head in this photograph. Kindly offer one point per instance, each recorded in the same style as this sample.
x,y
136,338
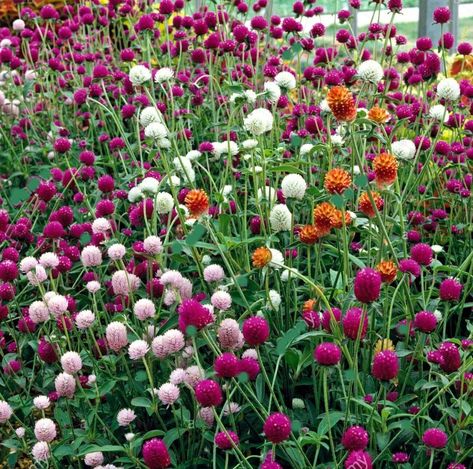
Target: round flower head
x,y
91,256
93,459
57,305
226,440
116,251
163,74
193,376
327,354
422,253
155,454
226,365
138,349
100,225
337,181
258,122
273,91
65,385
208,393
38,312
221,300
355,324
385,168
197,202
285,80
355,438
261,257
404,149
370,71
157,131
40,451
361,459
148,115
425,321
139,74
280,218
214,273
158,347
229,334
450,290
27,264
448,89
168,393
293,186
450,359
5,411
385,365
439,113
342,104
177,376
116,336
144,309
49,260
71,362
164,203
125,417
435,438
93,286
124,283
45,430
387,270
367,285
255,330
277,427
41,402
153,245
173,341
84,319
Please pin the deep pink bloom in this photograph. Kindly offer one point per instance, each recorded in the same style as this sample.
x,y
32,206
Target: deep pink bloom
x,y
327,354
367,285
227,365
355,438
435,438
277,427
442,15
255,330
425,321
155,454
450,290
192,313
400,458
208,393
225,442
250,366
327,317
385,365
409,266
422,253
358,459
450,357
355,323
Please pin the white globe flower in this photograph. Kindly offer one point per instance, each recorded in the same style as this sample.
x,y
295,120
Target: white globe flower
x,y
285,80
438,315
288,274
156,130
280,218
175,181
306,148
148,115
268,193
222,148
164,143
250,96
273,91
258,122
164,203
324,107
134,194
371,71
193,155
163,74
139,74
277,259
404,149
293,186
183,165
336,139
249,144
448,89
274,300
150,185
439,113
437,248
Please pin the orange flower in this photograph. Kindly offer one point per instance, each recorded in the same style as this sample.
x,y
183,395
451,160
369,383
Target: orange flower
x,y
385,168
378,115
388,271
324,217
309,234
261,256
337,181
365,206
338,220
309,305
341,103
197,202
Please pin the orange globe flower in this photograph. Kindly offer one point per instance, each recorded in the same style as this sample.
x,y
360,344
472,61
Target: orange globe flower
x,y
385,169
388,271
341,102
197,202
324,217
378,115
338,219
309,234
337,181
261,257
365,206
309,305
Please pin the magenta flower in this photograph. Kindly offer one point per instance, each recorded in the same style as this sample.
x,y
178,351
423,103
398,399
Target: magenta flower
x,y
435,438
367,285
277,427
155,454
385,365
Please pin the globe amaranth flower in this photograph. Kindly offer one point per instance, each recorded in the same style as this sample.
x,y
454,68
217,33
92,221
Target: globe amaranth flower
x,y
168,393
337,180
255,330
450,359
385,365
226,440
192,313
448,89
277,427
258,122
355,438
358,459
367,285
125,417
226,365
155,454
370,71
293,186
208,393
355,324
425,321
45,430
422,253
435,438
450,290
327,354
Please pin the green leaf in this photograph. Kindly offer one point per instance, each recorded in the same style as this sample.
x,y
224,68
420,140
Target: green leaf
x,y
195,235
286,340
18,195
85,238
382,440
361,180
338,201
172,435
176,247
286,168
328,421
63,450
141,402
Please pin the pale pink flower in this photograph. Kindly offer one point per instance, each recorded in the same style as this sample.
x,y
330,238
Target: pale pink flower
x,y
45,430
172,278
100,225
221,300
41,402
27,264
185,288
158,347
123,283
207,415
37,275
193,375
40,451
20,432
188,352
229,334
138,349
84,319
250,353
49,260
177,376
116,335
214,273
144,309
91,256
170,297
173,340
5,411
93,286
65,385
71,362
93,459
153,245
125,417
116,251
91,379
168,393
230,408
38,311
57,305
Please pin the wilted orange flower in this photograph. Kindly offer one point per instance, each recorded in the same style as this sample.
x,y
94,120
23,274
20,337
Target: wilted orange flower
x,y
309,305
388,271
384,344
338,220
385,168
324,217
341,103
337,181
378,115
365,206
309,234
197,202
261,257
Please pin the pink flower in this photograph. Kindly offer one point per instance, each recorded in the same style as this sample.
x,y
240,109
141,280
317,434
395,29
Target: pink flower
x,y
168,393
214,273
123,283
327,354
125,417
38,312
328,318
5,411
84,319
450,290
93,459
355,438
207,415
192,313
173,341
177,376
358,459
226,440
144,309
45,430
116,336
425,321
193,376
208,393
221,300
277,427
40,451
159,347
355,323
57,304
153,245
250,366
450,359
65,385
71,362
435,438
422,253
91,256
116,251
226,365
155,454
367,285
229,334
138,349
385,365
255,330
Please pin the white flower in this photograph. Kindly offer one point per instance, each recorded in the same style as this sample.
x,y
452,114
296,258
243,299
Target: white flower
x,y
164,203
175,181
439,112
258,121
336,139
306,148
134,194
268,193
206,259
277,259
437,248
324,107
273,91
258,169
184,166
448,89
193,155
404,149
150,185
163,74
249,144
286,274
139,74
280,218
438,315
285,80
148,115
221,148
156,130
293,185
164,143
371,71
250,96
274,300
356,170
